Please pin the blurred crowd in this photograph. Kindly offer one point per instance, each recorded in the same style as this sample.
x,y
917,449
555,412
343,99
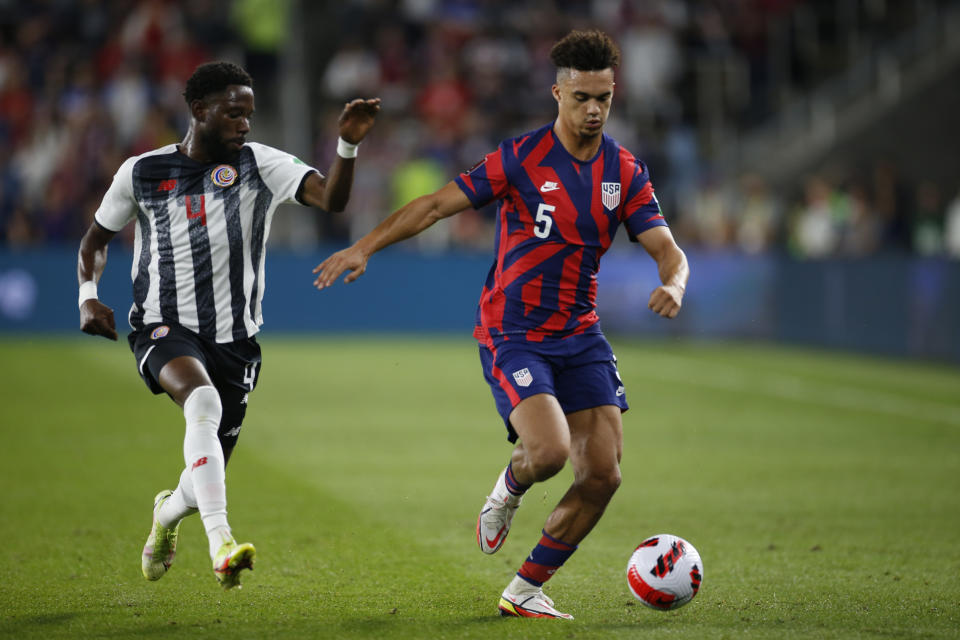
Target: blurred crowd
x,y
864,213
86,83
83,85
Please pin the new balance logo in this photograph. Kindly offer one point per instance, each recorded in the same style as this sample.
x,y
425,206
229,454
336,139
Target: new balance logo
x,y
549,186
199,463
167,185
232,433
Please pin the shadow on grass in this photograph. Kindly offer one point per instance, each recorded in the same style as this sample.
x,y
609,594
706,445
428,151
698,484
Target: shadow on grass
x,y
16,623
482,626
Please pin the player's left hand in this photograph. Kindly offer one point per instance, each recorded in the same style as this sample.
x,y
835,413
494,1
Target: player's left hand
x,y
666,300
96,319
357,119
351,259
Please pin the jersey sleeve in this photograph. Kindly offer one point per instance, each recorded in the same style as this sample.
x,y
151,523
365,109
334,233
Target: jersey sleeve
x,y
119,206
281,172
486,181
641,210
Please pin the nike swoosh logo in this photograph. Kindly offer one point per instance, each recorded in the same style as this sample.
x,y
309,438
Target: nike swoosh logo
x,y
549,186
496,538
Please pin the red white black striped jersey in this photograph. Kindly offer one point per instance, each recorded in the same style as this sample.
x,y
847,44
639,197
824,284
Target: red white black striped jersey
x,y
201,235
556,216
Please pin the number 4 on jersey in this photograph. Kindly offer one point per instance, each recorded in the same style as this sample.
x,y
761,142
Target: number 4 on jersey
x,y
543,217
197,208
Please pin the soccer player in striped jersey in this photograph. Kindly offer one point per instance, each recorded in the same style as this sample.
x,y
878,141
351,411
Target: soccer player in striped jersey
x,y
203,210
562,192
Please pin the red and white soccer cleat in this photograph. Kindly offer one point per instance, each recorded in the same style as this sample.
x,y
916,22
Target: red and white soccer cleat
x,y
494,520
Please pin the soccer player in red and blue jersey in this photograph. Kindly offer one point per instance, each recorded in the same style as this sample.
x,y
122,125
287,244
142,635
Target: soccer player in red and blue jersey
x,y
562,192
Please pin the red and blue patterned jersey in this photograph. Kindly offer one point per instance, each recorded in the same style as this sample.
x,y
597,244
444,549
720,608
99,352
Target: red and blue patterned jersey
x,y
556,216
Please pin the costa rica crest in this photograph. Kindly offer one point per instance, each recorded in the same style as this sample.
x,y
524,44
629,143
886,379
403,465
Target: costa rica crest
x,y
610,194
224,175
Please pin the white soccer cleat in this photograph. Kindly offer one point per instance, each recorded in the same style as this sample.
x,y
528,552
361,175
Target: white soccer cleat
x,y
494,520
161,546
535,604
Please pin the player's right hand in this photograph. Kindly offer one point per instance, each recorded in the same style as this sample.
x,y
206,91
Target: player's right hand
x,y
96,319
351,259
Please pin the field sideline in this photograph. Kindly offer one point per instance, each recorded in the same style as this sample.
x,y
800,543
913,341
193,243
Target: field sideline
x,y
822,490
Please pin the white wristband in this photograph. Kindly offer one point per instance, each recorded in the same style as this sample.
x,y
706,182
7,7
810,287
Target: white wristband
x,y
346,149
88,291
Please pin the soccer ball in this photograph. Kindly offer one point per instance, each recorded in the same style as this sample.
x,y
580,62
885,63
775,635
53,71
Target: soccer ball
x,y
665,572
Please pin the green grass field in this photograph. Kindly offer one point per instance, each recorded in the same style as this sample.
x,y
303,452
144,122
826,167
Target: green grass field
x,y
822,490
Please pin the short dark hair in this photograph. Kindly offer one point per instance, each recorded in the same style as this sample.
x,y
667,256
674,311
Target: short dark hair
x,y
214,77
585,51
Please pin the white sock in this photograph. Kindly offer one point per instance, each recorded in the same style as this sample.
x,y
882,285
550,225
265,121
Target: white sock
x,y
181,504
204,459
502,494
216,537
519,586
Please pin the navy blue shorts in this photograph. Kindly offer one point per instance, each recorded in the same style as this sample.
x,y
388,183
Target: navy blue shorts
x,y
580,371
233,367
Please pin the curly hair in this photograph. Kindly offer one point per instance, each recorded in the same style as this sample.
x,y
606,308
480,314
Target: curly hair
x,y
214,77
585,51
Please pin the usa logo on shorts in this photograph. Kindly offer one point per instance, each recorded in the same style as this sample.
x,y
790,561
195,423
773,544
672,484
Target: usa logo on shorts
x,y
523,377
224,175
159,332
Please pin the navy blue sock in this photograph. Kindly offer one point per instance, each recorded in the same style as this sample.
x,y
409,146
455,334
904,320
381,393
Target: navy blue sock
x,y
548,556
513,486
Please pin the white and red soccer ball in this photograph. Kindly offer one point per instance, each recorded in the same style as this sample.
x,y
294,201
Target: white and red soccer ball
x,y
665,572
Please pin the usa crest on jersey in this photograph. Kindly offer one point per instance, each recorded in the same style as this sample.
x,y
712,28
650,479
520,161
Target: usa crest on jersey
x,y
610,194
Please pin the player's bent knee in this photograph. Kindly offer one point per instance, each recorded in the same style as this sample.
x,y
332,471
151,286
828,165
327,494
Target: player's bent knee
x,y
546,462
203,406
601,485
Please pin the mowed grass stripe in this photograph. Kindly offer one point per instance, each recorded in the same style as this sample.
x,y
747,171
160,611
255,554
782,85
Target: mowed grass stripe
x,y
900,403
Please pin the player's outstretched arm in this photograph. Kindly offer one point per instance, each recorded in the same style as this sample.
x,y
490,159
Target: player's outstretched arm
x,y
96,318
407,221
331,193
672,267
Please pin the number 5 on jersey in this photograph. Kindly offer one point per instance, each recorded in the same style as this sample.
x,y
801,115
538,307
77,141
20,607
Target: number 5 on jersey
x,y
543,218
